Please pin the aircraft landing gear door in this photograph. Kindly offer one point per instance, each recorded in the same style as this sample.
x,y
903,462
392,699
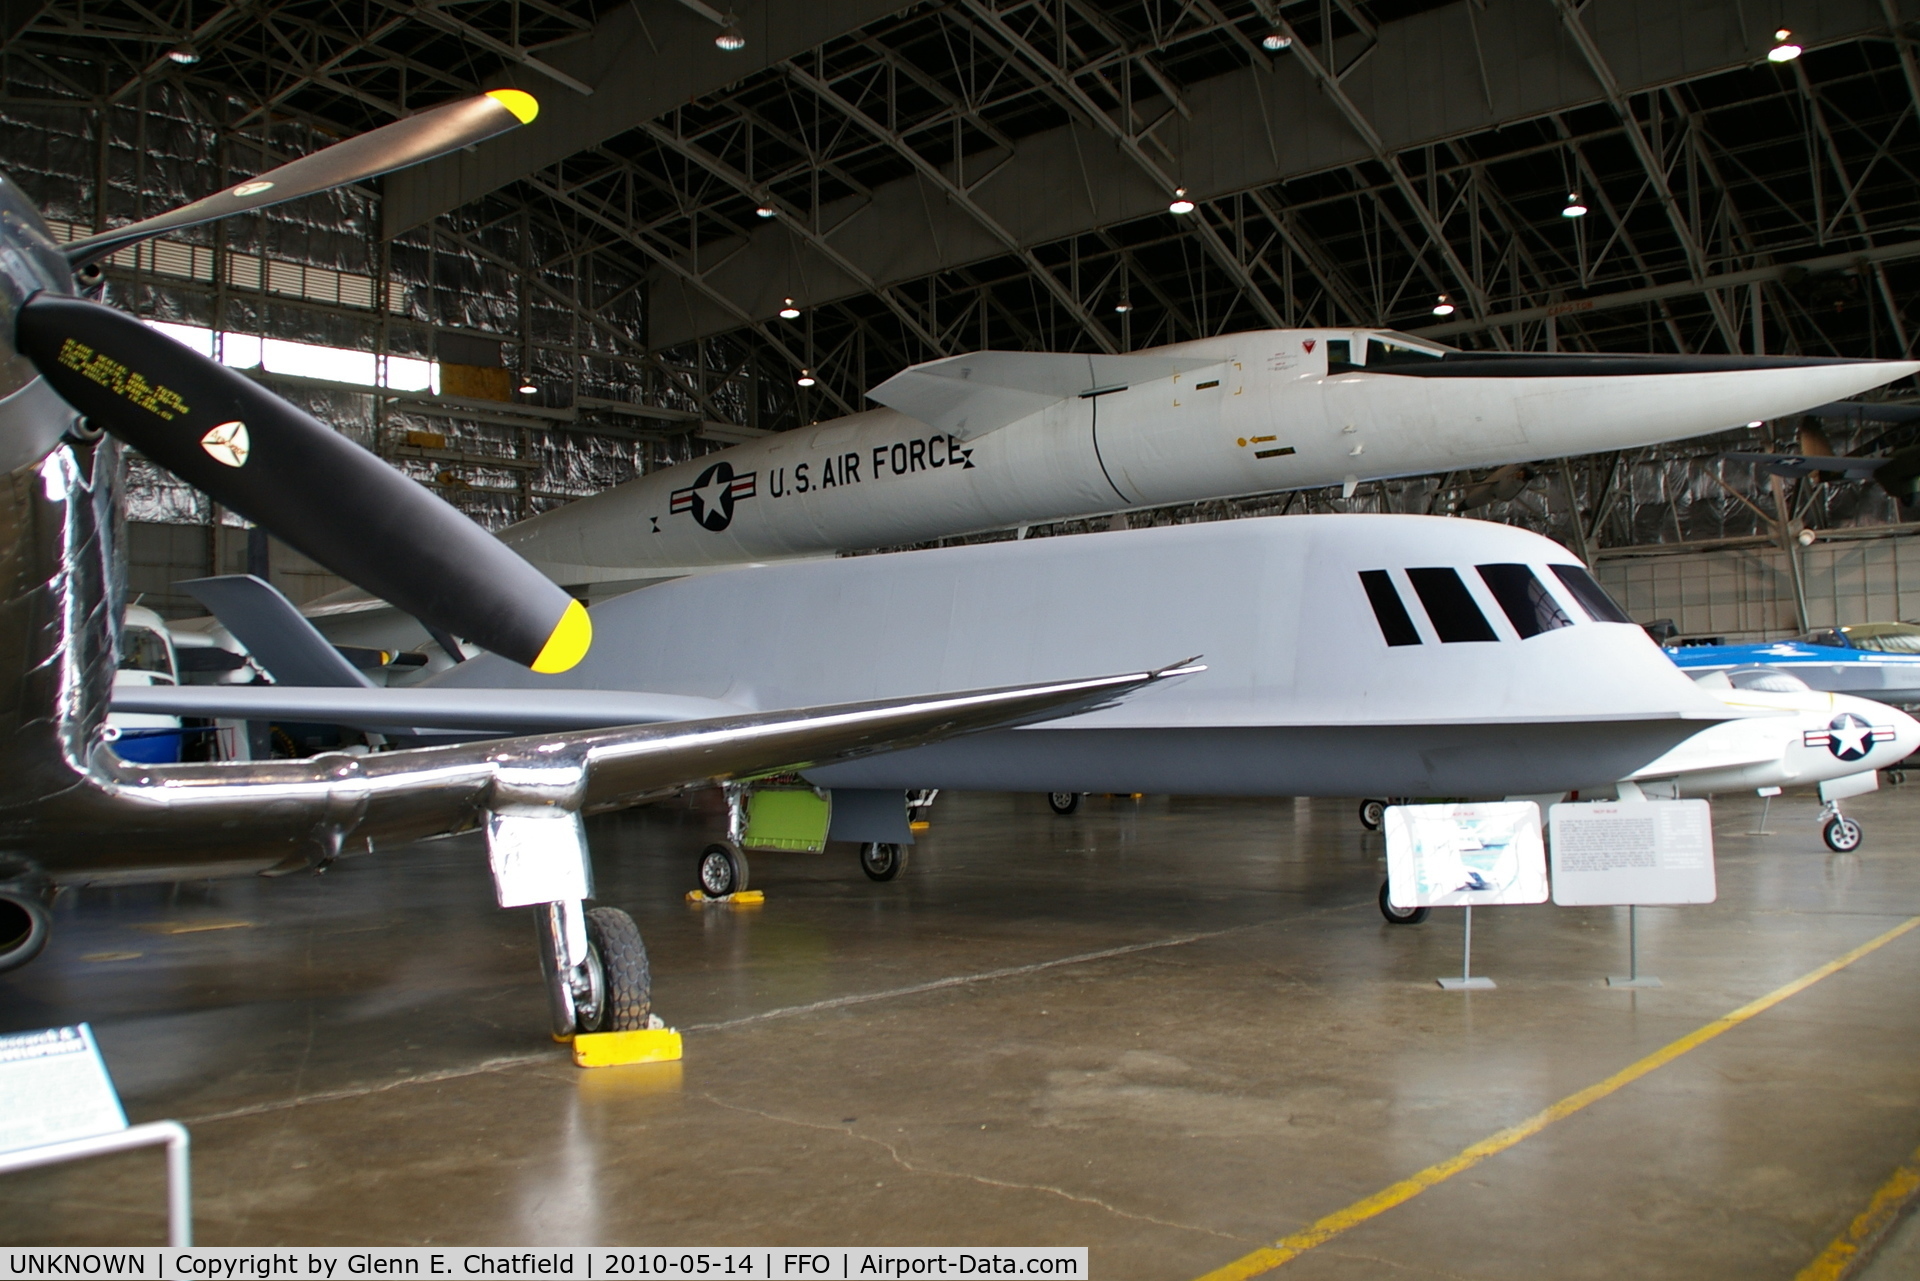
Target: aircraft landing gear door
x,y
593,959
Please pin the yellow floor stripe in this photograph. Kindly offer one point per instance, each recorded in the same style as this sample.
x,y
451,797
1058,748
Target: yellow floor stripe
x,y
1267,1258
1844,1250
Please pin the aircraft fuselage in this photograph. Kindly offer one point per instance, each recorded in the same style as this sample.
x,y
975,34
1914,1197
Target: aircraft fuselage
x,y
1251,413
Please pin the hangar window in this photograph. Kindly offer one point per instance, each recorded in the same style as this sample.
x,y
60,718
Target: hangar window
x,y
1396,625
1450,605
1524,598
1592,596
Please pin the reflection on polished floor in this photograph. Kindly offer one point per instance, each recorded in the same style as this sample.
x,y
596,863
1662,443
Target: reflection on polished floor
x,y
1170,1030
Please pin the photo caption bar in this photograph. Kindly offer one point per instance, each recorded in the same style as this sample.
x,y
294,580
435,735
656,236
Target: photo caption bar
x,y
666,1263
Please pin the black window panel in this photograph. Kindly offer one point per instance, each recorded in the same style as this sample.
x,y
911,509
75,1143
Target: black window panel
x,y
1524,598
1450,605
1383,354
1340,356
1592,596
1396,625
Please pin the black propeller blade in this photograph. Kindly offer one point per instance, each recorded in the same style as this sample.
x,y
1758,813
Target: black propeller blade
x,y
395,146
293,475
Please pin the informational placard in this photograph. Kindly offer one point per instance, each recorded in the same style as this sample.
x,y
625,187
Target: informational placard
x,y
1632,852
1465,855
54,1087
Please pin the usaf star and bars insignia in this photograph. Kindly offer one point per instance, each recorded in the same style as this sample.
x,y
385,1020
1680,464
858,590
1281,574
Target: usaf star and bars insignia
x,y
1848,736
710,498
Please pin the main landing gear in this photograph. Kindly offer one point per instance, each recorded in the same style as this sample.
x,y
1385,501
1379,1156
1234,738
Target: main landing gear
x,y
596,967
722,870
1372,814
1063,802
882,862
594,963
1399,915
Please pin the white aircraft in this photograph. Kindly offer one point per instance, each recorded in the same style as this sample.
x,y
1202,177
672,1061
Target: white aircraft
x,y
1345,655
1838,741
999,439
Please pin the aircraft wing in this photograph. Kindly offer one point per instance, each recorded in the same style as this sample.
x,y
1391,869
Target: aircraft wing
x,y
222,810
969,396
1809,464
498,711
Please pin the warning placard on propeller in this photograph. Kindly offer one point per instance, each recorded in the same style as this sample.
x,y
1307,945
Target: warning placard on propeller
x,y
1627,852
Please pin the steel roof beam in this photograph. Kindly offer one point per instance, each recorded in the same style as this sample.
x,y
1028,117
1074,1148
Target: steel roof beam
x,y
639,71
1245,138
959,195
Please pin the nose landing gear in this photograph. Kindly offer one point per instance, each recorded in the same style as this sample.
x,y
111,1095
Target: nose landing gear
x,y
1842,834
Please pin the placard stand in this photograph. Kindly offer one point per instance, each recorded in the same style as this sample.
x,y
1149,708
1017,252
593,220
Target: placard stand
x,y
57,1103
1766,803
1634,978
1467,982
152,1134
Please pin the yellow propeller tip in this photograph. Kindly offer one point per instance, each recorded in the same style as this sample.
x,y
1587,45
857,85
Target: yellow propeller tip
x,y
524,106
572,636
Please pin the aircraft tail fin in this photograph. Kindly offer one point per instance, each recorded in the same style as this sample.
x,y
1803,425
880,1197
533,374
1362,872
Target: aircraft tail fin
x,y
291,649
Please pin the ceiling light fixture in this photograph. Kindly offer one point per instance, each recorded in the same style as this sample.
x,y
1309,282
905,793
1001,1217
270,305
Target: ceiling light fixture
x,y
1276,41
1784,49
1124,306
730,40
788,311
1574,208
765,209
805,379
1443,307
528,389
1180,205
184,54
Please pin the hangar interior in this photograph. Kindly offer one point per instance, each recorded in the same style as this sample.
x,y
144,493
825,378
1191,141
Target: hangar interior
x,y
1170,1029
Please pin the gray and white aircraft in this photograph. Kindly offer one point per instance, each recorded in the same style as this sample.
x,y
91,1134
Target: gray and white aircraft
x,y
1346,656
998,439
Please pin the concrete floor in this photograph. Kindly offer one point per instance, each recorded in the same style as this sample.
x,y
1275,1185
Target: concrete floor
x,y
1168,1030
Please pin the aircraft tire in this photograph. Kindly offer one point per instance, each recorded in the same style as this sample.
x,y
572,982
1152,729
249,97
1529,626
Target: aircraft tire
x,y
1372,814
1399,915
1063,802
1842,834
722,870
882,862
25,922
627,1001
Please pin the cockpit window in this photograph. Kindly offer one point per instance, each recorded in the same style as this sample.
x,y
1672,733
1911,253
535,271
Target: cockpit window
x,y
1450,606
1385,351
1396,625
1340,356
144,650
1524,599
1768,680
1592,596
